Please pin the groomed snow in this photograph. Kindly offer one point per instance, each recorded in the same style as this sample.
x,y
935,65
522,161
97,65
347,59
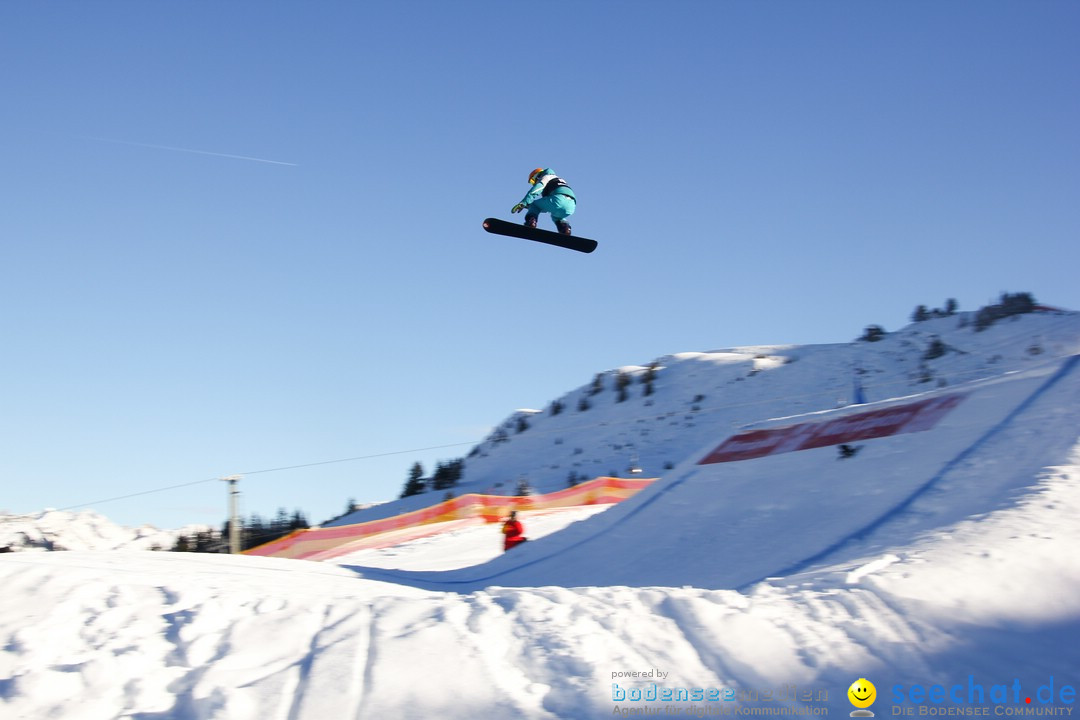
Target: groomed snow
x,y
944,557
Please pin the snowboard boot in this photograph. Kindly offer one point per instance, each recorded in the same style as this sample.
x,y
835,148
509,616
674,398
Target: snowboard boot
x,y
530,220
563,227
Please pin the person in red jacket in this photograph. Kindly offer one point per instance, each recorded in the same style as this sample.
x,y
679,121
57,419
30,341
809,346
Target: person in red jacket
x,y
513,531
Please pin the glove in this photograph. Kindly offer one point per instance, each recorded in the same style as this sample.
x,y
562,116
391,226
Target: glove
x,y
517,208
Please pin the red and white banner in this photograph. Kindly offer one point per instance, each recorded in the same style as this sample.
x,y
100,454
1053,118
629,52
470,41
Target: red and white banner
x,y
896,420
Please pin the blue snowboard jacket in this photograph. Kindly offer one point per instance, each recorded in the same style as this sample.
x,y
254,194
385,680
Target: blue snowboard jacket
x,y
551,186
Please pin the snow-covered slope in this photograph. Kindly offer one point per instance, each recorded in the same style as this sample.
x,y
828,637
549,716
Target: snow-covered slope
x,y
941,555
697,397
991,600
730,524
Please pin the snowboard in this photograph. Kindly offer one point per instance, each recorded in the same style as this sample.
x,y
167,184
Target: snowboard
x,y
570,242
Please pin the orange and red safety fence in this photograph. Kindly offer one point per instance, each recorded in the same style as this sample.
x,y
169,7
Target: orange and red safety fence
x,y
323,543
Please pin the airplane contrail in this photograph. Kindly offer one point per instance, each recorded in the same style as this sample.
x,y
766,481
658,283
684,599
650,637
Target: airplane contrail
x,y
197,152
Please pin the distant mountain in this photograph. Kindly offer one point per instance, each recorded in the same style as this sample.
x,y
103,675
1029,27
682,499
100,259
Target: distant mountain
x,y
85,530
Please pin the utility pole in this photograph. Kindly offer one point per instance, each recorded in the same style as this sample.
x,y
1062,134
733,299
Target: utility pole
x,y
234,513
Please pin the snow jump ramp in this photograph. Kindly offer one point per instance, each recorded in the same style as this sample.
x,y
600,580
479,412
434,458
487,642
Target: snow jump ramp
x,y
777,498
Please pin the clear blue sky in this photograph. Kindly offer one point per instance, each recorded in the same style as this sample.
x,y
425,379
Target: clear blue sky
x,y
238,236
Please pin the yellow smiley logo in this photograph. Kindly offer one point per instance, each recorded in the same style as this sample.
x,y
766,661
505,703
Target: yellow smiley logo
x,y
862,693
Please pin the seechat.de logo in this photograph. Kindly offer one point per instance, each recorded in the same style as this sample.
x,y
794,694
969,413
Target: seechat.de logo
x,y
862,695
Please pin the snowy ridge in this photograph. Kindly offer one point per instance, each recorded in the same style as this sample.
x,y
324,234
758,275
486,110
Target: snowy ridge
x,y
84,530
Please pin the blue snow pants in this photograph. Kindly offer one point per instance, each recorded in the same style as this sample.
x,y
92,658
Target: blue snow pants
x,y
560,206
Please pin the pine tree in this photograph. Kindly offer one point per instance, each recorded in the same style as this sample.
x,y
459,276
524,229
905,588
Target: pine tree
x,y
1011,304
447,475
873,333
298,521
648,378
253,531
416,483
936,349
280,526
204,541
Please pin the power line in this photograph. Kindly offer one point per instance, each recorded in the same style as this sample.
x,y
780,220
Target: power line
x,y
264,471
358,457
137,494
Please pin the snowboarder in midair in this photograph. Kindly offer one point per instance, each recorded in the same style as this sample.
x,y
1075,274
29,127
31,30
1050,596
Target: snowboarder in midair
x,y
549,194
513,531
